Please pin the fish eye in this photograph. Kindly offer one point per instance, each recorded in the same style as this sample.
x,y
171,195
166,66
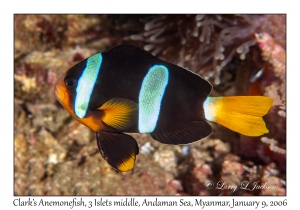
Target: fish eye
x,y
70,83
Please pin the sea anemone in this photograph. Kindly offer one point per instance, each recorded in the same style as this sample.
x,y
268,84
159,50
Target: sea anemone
x,y
201,43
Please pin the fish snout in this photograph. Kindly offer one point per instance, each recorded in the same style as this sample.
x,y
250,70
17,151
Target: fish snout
x,y
59,93
59,89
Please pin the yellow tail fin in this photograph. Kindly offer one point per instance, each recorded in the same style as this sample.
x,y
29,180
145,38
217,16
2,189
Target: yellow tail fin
x,y
242,114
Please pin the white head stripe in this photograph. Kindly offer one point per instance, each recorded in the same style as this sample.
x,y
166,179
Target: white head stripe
x,y
86,84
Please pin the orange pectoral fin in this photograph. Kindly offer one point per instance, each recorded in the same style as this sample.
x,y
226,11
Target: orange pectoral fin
x,y
242,114
119,113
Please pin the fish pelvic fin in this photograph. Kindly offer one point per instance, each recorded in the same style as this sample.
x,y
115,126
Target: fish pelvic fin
x,y
242,114
118,149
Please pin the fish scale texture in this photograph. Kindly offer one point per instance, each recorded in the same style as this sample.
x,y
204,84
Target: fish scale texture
x,y
150,97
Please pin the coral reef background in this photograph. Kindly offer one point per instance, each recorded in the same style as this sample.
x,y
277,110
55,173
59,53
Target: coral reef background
x,y
238,54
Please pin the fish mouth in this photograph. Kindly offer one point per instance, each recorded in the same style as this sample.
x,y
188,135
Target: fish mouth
x,y
59,90
59,93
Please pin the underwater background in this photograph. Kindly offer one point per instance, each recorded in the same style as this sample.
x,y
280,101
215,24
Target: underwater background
x,y
238,54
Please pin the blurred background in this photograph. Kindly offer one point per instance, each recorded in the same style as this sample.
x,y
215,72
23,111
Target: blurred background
x,y
238,54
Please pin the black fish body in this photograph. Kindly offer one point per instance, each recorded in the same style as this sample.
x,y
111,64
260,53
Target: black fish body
x,y
127,89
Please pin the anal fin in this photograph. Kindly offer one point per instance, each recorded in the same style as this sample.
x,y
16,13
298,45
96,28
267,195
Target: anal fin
x,y
118,149
186,134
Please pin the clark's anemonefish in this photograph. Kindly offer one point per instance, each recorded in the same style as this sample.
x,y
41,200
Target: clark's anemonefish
x,y
127,89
